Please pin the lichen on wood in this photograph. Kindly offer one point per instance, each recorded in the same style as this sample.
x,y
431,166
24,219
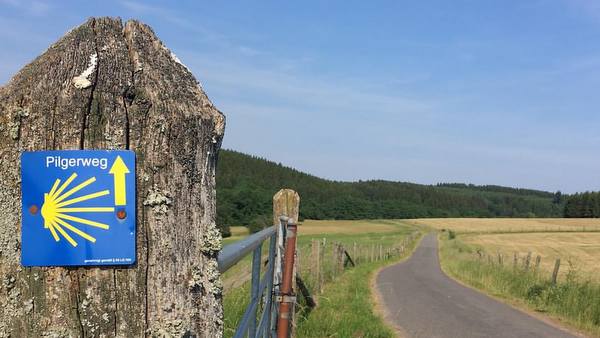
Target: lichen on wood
x,y
109,85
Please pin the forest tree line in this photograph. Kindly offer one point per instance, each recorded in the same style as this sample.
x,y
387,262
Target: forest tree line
x,y
246,184
583,205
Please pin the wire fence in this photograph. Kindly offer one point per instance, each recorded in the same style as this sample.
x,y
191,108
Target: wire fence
x,y
322,261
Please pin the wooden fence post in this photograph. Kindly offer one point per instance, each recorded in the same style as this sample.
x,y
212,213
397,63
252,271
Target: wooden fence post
x,y
286,202
538,260
527,261
322,264
342,261
372,252
555,271
334,256
316,268
110,85
515,261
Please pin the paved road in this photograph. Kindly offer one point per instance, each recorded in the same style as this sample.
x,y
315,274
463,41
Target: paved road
x,y
424,302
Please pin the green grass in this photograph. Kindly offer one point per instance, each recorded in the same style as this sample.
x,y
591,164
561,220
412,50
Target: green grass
x,y
234,305
346,308
573,299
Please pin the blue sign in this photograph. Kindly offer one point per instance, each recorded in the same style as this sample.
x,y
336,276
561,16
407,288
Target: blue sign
x,y
78,208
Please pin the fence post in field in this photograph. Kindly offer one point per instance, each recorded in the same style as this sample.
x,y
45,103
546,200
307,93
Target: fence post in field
x,y
500,260
110,85
373,252
555,271
336,259
515,261
354,252
321,248
316,266
342,260
333,260
342,255
323,260
527,261
334,265
538,260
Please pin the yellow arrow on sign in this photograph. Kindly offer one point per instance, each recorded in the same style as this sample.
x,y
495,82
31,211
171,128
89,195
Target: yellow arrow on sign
x,y
118,170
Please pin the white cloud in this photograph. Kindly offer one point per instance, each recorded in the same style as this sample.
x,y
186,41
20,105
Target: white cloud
x,y
325,96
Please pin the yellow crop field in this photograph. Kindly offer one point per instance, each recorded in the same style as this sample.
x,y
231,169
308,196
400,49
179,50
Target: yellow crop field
x,y
509,224
327,227
238,231
318,227
580,249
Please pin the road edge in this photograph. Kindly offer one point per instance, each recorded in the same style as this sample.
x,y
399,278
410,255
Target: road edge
x,y
379,307
552,320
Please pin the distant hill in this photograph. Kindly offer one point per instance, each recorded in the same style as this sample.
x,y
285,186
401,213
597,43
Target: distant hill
x,y
246,184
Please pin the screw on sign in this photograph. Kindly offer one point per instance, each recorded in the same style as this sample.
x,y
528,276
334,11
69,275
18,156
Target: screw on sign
x,y
85,197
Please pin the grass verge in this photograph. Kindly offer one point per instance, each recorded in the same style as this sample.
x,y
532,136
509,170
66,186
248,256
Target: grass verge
x,y
572,300
347,307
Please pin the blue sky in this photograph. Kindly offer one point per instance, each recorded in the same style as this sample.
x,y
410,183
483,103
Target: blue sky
x,y
485,92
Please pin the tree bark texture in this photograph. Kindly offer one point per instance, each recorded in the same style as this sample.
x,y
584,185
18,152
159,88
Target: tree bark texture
x,y
106,85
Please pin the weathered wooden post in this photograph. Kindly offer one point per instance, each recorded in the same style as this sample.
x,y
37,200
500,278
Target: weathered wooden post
x,y
372,252
527,261
316,261
342,258
106,85
555,271
336,258
322,265
538,260
286,202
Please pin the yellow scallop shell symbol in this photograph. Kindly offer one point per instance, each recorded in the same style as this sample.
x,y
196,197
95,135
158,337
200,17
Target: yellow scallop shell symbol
x,y
56,211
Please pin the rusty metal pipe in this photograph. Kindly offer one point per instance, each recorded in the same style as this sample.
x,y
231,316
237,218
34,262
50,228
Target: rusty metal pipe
x,y
286,292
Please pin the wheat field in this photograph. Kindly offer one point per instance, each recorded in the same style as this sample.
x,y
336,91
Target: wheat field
x,y
322,227
463,225
578,251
